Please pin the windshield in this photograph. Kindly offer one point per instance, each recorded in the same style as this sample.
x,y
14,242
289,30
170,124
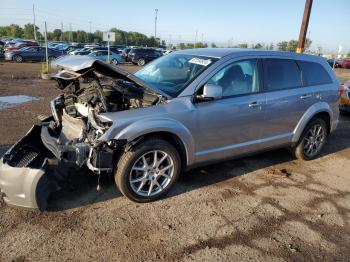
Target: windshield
x,y
173,72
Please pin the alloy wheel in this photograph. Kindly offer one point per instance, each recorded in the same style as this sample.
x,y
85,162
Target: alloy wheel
x,y
314,140
151,173
141,62
18,59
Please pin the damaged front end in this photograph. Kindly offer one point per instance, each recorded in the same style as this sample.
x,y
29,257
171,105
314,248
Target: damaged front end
x,y
35,167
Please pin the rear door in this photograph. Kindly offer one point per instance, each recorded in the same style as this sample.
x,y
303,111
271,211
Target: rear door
x,y
286,97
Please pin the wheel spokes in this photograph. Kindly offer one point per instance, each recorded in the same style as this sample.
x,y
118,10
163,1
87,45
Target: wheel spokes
x,y
156,169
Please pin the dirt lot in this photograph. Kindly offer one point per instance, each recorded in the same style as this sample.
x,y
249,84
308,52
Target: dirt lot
x,y
267,207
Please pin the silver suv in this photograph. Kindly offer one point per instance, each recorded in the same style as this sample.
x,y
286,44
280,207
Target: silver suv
x,y
186,109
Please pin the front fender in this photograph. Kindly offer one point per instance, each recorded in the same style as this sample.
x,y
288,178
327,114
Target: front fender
x,y
309,114
147,126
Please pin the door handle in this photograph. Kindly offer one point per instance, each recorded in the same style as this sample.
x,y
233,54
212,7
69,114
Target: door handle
x,y
305,96
255,104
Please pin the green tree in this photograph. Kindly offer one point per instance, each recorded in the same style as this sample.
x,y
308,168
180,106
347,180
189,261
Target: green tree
x,y
282,46
257,46
242,45
213,45
16,31
56,34
28,31
292,45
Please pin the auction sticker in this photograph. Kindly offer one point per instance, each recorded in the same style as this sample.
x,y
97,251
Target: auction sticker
x,y
200,61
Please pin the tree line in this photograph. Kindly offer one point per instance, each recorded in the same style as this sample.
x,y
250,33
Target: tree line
x,y
121,37
130,38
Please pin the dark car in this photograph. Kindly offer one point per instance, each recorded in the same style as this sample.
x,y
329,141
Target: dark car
x,y
331,62
141,56
32,54
118,47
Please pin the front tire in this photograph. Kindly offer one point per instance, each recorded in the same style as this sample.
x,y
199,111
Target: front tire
x,y
115,62
18,59
141,62
148,171
312,140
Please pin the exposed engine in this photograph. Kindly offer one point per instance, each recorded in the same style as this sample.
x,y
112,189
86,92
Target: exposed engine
x,y
72,135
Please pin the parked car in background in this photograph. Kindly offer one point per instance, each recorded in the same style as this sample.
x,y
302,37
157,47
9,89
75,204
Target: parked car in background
x,y
141,56
32,54
102,55
185,109
331,62
120,48
81,51
92,45
344,63
344,92
19,45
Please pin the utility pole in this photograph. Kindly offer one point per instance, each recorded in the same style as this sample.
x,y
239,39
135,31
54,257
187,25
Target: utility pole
x,y
155,24
61,32
195,39
304,25
46,46
70,33
90,31
34,23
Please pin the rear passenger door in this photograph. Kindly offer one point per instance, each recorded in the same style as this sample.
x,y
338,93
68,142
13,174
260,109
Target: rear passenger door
x,y
286,98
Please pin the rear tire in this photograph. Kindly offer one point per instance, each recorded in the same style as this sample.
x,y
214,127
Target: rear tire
x,y
18,59
312,140
142,177
141,62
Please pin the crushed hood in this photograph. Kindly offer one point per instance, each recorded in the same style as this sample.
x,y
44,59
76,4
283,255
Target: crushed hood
x,y
81,64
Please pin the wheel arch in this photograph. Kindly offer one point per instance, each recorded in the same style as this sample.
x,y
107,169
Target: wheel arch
x,y
321,110
170,130
171,138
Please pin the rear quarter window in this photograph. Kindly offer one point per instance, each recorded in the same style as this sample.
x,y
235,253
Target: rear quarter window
x,y
314,74
281,74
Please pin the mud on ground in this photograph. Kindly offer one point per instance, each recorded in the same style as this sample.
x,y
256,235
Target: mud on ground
x,y
268,207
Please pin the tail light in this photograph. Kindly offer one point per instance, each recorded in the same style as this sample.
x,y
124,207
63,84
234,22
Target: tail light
x,y
341,90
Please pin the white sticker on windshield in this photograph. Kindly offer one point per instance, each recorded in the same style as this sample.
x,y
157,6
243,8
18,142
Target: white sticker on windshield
x,y
200,61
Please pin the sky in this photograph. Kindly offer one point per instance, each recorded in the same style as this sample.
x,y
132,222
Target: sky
x,y
225,22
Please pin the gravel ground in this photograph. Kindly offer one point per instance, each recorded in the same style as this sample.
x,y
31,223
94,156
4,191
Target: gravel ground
x,y
268,207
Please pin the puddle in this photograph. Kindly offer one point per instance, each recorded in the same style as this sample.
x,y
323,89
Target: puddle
x,y
12,101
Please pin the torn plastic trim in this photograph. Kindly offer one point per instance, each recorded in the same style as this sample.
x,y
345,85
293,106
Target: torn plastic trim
x,y
26,179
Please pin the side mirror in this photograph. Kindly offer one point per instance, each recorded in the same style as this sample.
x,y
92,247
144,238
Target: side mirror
x,y
210,92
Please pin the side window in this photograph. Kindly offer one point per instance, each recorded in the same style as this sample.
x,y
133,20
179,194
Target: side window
x,y
239,78
314,74
281,74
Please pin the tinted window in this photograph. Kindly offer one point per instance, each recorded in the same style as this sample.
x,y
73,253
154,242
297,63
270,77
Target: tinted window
x,y
314,74
281,74
238,78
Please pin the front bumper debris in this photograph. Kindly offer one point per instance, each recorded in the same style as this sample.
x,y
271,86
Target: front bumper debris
x,y
26,176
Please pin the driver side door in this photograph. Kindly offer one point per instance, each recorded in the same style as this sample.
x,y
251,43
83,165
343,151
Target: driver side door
x,y
233,124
